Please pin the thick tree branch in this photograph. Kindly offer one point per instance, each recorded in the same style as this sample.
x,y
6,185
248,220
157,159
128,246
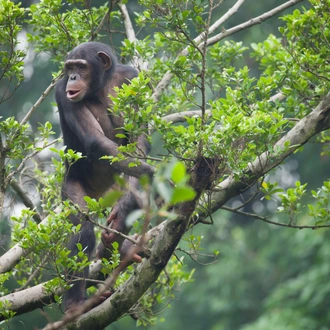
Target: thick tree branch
x,y
146,274
38,296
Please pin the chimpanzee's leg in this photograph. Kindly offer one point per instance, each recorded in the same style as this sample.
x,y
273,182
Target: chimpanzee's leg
x,y
75,191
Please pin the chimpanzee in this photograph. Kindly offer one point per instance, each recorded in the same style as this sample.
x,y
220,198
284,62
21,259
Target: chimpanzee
x,y
91,72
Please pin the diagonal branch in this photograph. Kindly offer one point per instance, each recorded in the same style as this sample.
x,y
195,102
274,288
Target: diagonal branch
x,y
40,100
130,33
170,232
231,11
252,22
25,199
317,121
162,85
197,41
131,36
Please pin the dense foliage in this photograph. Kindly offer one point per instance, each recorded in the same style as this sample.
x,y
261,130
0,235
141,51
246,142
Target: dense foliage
x,y
223,116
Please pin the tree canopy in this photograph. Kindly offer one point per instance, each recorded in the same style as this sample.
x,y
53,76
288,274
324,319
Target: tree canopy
x,y
228,117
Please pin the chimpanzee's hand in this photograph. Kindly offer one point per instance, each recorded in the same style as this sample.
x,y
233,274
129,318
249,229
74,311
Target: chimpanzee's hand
x,y
117,221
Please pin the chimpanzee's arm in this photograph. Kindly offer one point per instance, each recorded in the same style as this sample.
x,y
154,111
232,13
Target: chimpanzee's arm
x,y
90,133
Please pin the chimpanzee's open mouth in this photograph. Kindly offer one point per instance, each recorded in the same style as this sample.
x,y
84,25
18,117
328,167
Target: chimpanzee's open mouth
x,y
72,94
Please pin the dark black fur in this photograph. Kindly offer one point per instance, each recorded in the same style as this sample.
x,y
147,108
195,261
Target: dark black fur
x,y
89,128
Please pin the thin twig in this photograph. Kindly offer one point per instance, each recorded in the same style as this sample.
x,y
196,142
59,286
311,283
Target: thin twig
x,y
259,217
129,238
231,11
25,159
40,100
25,199
105,17
247,201
34,274
193,256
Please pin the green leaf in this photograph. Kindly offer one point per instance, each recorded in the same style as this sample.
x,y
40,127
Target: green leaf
x,y
121,136
182,194
179,172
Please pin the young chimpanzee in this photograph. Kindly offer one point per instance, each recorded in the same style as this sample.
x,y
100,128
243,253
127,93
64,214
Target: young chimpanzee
x,y
91,72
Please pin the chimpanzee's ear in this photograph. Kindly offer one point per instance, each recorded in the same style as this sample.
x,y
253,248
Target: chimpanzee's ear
x,y
106,59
